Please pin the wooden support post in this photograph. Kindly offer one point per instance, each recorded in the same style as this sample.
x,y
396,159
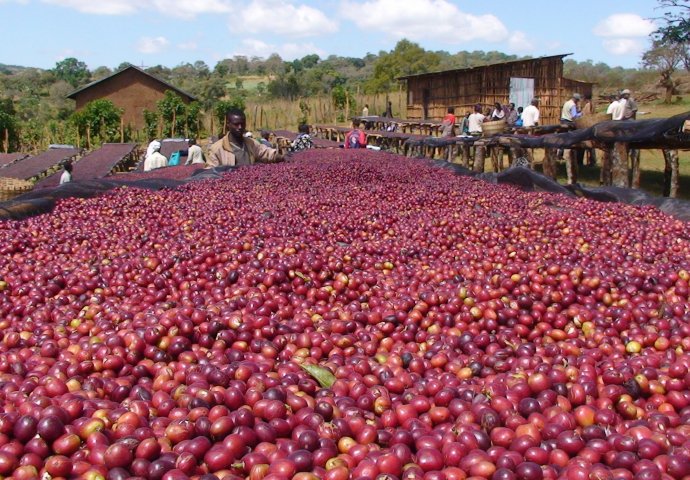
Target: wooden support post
x,y
479,156
122,130
571,165
671,158
465,155
635,164
667,173
494,158
549,165
619,165
606,162
6,141
513,154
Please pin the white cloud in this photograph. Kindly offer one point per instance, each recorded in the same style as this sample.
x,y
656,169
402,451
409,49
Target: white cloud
x,y
281,18
187,9
287,51
188,46
518,42
623,46
152,44
103,7
173,8
624,25
423,20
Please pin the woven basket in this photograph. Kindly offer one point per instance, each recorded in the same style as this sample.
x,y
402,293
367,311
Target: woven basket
x,y
492,128
590,120
11,187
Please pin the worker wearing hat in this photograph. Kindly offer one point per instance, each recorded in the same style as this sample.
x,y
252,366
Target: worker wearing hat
x,y
630,110
570,110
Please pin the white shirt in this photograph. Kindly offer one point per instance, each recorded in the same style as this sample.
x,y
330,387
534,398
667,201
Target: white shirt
x,y
194,155
155,160
530,116
365,112
66,177
616,109
475,122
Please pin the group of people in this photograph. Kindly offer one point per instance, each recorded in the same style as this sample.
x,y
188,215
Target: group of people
x,y
155,159
622,106
472,122
237,148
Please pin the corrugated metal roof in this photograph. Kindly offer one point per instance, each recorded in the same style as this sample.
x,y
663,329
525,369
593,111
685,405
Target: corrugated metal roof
x,y
479,67
92,84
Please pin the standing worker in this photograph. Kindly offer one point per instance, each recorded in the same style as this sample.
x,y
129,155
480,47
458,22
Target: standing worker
x,y
66,176
156,159
530,115
236,149
194,154
448,124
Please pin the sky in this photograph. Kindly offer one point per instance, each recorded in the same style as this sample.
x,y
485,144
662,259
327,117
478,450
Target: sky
x,y
40,33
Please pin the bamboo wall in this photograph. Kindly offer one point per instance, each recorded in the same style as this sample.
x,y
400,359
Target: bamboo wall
x,y
463,89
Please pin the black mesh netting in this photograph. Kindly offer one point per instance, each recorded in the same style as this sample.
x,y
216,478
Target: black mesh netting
x,y
653,133
531,181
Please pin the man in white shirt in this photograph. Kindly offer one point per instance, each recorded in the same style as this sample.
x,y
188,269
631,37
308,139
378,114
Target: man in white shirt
x,y
476,120
156,159
194,153
530,116
616,108
570,110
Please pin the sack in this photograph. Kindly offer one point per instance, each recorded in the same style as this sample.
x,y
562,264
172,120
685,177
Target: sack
x,y
353,139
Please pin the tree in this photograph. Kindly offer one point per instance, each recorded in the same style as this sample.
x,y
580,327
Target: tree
x,y
676,20
9,134
172,111
222,107
72,71
666,56
407,58
99,120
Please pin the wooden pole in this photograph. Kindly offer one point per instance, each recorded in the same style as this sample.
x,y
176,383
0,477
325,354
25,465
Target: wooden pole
x,y
619,173
635,161
606,162
549,165
675,172
88,137
667,173
479,155
6,142
122,130
465,155
571,166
